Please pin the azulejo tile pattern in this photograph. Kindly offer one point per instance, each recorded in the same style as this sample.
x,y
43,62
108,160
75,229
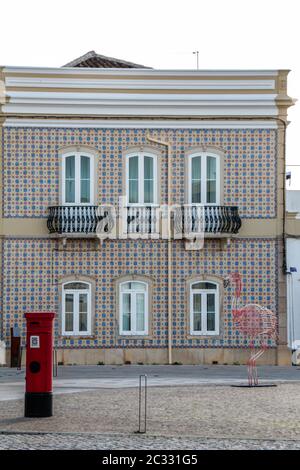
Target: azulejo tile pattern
x,y
32,268
31,165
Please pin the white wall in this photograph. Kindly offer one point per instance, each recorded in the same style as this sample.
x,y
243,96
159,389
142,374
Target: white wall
x,y
293,201
2,353
293,292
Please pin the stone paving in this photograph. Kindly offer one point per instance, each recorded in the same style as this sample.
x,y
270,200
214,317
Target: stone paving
x,y
87,441
187,417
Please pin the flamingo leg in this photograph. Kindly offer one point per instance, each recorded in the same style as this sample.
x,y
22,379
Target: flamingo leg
x,y
254,359
251,366
258,355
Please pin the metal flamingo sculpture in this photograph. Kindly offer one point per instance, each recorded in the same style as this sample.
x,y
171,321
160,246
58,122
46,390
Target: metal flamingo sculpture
x,y
255,322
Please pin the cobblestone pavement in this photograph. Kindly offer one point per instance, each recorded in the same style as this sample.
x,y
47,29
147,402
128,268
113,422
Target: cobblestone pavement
x,y
237,415
86,441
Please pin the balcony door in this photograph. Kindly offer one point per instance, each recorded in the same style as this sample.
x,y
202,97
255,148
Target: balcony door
x,y
204,179
77,179
141,179
141,193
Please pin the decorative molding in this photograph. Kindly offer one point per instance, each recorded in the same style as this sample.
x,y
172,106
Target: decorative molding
x,y
138,72
140,104
147,124
141,92
140,84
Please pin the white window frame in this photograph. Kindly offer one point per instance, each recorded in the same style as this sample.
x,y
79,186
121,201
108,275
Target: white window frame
x,y
77,156
204,156
141,156
76,293
204,292
134,331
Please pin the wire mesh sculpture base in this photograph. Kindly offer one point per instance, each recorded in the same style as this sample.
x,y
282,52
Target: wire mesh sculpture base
x,y
253,386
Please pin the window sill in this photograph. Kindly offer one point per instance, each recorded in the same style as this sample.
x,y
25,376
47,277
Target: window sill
x,y
203,336
77,337
148,337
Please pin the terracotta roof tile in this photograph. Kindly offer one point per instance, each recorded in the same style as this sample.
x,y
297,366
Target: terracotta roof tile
x,y
94,60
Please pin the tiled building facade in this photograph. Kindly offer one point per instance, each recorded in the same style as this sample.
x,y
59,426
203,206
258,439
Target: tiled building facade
x,y
239,117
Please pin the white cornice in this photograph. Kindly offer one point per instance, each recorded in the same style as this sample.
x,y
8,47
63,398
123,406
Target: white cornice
x,y
140,104
139,84
140,124
137,72
139,92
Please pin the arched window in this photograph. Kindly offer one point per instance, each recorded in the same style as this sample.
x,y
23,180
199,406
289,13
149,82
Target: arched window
x,y
204,178
204,308
133,308
141,179
76,308
78,178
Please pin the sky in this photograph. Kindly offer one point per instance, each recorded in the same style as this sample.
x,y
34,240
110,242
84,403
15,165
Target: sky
x,y
229,34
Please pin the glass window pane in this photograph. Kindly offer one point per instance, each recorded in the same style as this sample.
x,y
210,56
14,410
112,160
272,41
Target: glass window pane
x,y
83,303
211,321
148,191
85,168
85,185
69,303
70,167
133,285
210,302
197,321
133,168
69,312
69,322
138,286
211,168
197,302
196,192
211,196
204,285
83,327
70,190
83,312
148,168
133,191
125,286
76,285
197,312
140,312
126,313
85,191
196,168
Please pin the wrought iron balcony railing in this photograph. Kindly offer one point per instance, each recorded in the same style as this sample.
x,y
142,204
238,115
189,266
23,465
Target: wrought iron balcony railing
x,y
72,219
190,220
142,220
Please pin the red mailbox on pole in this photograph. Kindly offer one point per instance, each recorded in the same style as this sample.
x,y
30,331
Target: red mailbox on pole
x,y
39,363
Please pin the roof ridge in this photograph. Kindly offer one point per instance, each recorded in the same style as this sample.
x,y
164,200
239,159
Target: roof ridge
x,y
93,54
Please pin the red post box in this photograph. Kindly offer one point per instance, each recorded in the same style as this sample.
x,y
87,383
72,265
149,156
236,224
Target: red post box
x,y
39,363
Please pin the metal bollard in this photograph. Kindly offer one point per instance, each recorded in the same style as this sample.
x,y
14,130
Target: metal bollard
x,y
54,362
20,359
140,431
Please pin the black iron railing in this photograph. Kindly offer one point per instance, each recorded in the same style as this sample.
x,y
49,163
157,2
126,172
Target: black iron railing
x,y
142,219
191,219
72,219
188,219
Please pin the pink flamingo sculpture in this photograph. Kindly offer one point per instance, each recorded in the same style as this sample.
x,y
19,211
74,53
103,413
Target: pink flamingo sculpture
x,y
255,322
